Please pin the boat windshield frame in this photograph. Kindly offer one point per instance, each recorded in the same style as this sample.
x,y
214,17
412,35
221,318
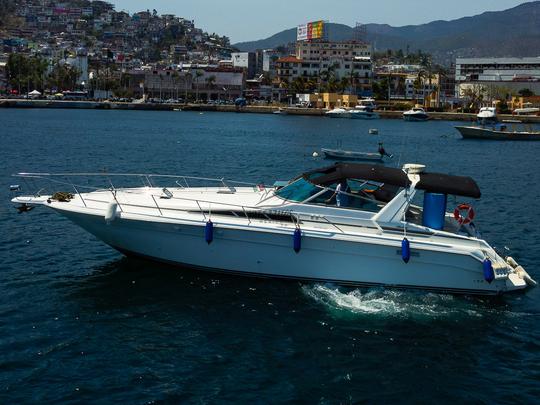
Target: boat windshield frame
x,y
321,190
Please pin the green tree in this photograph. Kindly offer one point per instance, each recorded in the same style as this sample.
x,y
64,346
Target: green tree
x,y
63,77
526,92
26,73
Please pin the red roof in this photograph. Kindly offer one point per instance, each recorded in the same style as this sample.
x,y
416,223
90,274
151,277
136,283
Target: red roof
x,y
289,59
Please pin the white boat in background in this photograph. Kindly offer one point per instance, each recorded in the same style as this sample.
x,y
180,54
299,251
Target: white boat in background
x,y
281,111
498,132
527,109
416,114
487,116
351,224
338,113
340,154
364,113
367,102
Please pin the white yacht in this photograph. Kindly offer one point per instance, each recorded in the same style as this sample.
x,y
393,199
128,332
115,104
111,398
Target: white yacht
x,y
416,114
352,224
367,102
527,109
364,113
338,113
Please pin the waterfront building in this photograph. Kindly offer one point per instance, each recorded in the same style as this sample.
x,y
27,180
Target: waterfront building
x,y
350,60
246,61
80,62
194,82
495,76
270,56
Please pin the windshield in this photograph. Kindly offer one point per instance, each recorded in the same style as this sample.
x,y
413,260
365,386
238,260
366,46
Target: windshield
x,y
299,190
352,194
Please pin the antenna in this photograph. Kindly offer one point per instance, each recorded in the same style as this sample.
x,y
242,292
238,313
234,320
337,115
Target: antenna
x,y
360,32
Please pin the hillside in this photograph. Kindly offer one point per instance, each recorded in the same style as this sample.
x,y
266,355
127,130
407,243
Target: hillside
x,y
512,32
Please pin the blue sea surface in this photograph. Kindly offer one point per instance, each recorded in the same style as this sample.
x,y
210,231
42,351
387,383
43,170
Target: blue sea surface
x,y
80,323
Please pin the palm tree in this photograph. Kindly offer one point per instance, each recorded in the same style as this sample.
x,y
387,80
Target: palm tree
x,y
343,84
187,79
210,82
198,74
174,78
419,83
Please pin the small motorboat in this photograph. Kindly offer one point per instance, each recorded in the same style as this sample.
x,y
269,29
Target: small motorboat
x,y
373,131
498,132
281,111
416,114
340,154
338,113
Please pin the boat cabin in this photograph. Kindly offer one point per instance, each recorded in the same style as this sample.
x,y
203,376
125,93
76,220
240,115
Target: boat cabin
x,y
385,193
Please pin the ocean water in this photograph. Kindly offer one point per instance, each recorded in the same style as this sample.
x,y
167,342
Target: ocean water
x,y
81,323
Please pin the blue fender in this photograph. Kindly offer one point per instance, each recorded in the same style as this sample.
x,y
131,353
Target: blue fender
x,y
209,232
297,240
405,250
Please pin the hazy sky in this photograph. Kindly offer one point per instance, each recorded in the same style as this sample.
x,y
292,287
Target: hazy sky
x,y
244,20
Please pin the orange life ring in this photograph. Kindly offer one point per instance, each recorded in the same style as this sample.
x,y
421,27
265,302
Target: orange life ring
x,y
467,219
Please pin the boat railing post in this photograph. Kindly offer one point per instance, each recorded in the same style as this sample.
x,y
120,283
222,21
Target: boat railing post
x,y
200,209
77,191
246,214
143,182
148,180
155,202
376,224
113,192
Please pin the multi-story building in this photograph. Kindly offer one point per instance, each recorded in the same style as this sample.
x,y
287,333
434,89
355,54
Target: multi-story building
x,y
497,75
350,60
208,83
246,61
269,59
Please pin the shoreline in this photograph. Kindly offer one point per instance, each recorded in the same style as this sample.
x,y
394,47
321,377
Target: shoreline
x,y
100,105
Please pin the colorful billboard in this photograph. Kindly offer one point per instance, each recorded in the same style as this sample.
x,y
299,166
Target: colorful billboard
x,y
309,31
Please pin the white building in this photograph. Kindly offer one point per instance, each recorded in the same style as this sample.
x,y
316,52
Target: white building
x,y
270,57
246,61
345,59
491,74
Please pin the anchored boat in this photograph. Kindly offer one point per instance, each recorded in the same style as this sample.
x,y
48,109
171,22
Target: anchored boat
x,y
499,132
338,113
416,114
347,223
340,154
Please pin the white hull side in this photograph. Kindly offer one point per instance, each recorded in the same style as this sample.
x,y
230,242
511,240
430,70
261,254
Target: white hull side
x,y
252,252
365,116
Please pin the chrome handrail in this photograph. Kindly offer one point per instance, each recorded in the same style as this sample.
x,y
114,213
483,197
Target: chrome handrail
x,y
243,208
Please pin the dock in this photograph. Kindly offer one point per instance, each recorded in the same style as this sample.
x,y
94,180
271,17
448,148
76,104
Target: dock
x,y
263,109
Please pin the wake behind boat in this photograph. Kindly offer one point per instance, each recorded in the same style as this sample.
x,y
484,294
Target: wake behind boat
x,y
347,223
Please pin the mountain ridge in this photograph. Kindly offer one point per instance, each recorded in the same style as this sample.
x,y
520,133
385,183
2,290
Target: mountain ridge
x,y
511,32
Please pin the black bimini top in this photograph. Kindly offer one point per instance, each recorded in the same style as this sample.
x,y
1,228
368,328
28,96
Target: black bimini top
x,y
431,182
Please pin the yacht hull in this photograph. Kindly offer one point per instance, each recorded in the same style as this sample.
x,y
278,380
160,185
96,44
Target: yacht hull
x,y
487,133
416,117
364,115
322,257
